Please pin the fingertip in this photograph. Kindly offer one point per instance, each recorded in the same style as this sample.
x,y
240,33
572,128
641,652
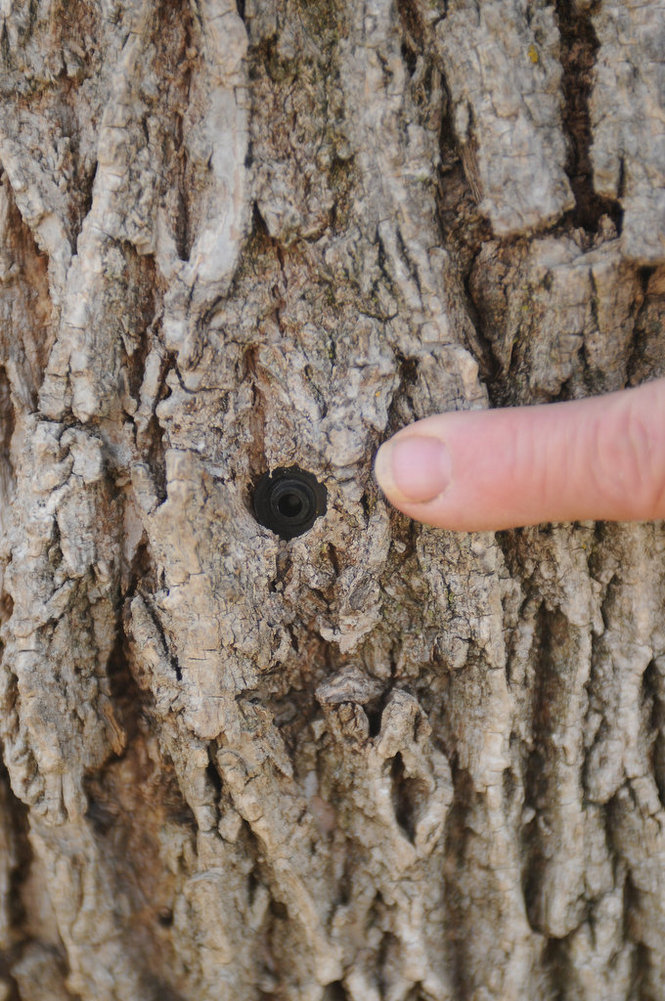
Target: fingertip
x,y
413,469
383,472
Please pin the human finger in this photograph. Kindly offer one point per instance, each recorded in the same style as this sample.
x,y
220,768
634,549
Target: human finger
x,y
601,458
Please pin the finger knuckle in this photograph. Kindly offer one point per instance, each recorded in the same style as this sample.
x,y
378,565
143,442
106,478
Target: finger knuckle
x,y
636,462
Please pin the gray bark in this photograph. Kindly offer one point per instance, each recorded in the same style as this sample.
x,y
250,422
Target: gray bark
x,y
379,761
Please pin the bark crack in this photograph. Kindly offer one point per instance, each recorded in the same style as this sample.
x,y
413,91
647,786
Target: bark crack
x,y
579,47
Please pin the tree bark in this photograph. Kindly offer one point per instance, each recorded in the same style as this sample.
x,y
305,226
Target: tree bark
x,y
376,761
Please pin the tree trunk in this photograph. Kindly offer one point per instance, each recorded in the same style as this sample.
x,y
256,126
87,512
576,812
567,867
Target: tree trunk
x,y
375,761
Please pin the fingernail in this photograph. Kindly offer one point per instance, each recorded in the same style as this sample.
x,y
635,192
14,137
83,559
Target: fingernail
x,y
414,469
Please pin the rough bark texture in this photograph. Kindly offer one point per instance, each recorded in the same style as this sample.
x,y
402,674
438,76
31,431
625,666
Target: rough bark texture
x,y
378,761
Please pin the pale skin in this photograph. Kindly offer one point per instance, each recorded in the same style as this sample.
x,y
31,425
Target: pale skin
x,y
601,458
